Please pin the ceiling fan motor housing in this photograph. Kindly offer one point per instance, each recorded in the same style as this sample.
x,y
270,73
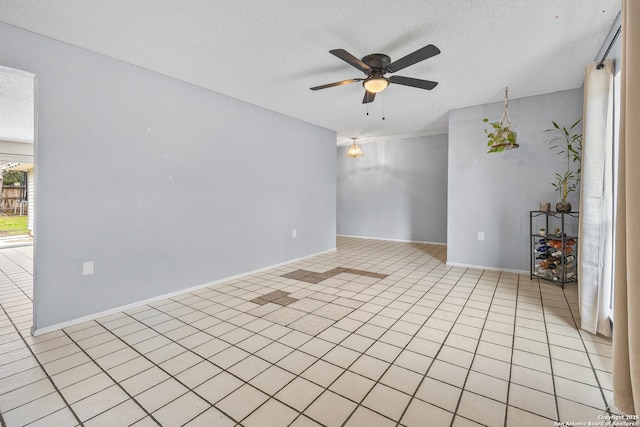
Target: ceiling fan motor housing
x,y
377,61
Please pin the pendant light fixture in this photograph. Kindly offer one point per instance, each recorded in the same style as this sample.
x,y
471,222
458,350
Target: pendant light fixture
x,y
354,151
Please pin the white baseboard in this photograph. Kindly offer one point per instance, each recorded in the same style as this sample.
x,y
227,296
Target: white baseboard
x,y
484,267
40,331
392,240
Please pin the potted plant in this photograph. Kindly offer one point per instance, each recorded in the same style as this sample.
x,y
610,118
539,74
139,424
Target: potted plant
x,y
501,138
566,142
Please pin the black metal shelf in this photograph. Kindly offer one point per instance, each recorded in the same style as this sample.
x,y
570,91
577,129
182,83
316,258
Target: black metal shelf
x,y
554,237
570,280
561,268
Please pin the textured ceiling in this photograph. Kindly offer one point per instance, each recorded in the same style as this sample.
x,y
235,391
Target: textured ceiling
x,y
16,106
269,53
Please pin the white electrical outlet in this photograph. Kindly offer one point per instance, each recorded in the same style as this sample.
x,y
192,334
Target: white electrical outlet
x,y
87,268
480,235
294,232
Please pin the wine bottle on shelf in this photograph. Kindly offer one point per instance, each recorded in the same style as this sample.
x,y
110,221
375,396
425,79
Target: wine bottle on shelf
x,y
553,252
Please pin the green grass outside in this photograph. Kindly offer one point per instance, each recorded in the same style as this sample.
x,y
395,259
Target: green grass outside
x,y
13,225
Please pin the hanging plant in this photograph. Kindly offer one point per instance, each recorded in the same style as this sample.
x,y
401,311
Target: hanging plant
x,y
501,137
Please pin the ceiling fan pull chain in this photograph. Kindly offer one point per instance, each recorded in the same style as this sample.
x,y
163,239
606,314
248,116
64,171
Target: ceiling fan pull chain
x,y
383,106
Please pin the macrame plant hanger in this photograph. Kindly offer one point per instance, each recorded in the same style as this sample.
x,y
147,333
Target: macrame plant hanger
x,y
502,137
505,113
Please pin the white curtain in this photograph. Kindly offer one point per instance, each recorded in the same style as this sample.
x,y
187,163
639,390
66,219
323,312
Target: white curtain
x,y
626,332
595,243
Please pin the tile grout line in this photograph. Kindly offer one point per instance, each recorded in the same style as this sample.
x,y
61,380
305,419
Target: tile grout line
x,y
2,423
11,280
301,413
111,378
43,370
17,287
374,341
179,301
513,347
137,320
435,357
546,331
234,345
207,359
475,352
227,342
593,369
404,293
171,376
492,376
525,351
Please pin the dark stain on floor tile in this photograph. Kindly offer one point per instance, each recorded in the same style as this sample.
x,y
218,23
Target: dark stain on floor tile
x,y
278,297
286,300
313,277
305,276
274,295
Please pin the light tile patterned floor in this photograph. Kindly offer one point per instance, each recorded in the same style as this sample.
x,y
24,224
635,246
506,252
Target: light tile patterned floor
x,y
428,345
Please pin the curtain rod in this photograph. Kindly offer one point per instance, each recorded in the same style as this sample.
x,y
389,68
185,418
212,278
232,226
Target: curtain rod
x,y
606,53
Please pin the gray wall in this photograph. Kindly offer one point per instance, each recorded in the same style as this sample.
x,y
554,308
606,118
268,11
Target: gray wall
x,y
493,193
162,184
398,190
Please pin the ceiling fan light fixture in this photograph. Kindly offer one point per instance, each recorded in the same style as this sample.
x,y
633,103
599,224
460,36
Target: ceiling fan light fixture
x,y
375,84
354,152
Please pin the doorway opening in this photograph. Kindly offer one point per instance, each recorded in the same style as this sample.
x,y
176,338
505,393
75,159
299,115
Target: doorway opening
x,y
17,165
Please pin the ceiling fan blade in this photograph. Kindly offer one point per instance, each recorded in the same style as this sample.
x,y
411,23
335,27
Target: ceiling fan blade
x,y
408,81
368,97
351,60
343,82
413,58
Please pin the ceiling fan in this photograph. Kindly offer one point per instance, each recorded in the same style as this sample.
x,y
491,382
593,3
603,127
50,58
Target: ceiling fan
x,y
376,65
